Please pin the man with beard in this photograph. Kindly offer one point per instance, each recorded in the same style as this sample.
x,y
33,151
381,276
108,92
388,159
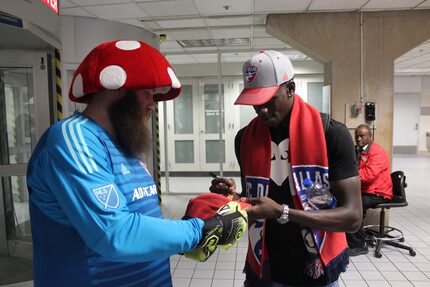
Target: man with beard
x,y
94,207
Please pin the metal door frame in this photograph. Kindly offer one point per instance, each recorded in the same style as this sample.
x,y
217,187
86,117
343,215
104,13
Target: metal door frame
x,y
38,62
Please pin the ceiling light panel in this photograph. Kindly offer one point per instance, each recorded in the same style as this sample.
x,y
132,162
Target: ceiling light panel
x,y
338,5
277,6
201,49
390,4
169,8
117,11
226,42
225,7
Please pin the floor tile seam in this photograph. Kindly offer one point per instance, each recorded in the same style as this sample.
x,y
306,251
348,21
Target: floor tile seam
x,y
403,273
361,274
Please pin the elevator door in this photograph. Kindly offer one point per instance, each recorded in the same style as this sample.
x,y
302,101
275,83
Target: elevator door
x,y
24,115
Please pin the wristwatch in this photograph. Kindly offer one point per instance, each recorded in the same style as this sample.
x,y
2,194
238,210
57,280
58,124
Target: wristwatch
x,y
284,216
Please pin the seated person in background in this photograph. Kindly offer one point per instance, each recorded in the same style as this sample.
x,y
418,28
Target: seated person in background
x,y
375,177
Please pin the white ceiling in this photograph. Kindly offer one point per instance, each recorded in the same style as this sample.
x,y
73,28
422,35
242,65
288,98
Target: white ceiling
x,y
214,19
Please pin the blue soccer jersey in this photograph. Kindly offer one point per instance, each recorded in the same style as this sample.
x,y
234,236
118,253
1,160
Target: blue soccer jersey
x,y
94,213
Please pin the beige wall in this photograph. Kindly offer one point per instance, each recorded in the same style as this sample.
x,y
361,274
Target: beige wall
x,y
334,39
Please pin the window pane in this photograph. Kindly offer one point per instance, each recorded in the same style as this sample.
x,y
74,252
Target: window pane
x,y
183,111
17,108
213,151
184,151
16,208
211,101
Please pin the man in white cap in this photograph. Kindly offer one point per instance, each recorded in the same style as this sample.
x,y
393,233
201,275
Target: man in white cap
x,y
94,207
294,244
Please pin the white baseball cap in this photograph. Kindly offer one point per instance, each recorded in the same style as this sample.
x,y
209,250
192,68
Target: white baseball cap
x,y
262,76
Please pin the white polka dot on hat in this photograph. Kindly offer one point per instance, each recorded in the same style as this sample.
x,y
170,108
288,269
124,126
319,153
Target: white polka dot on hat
x,y
113,77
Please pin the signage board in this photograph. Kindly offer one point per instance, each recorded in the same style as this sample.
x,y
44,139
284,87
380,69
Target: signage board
x,y
10,20
52,4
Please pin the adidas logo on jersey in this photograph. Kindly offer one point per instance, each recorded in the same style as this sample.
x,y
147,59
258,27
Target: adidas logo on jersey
x,y
124,169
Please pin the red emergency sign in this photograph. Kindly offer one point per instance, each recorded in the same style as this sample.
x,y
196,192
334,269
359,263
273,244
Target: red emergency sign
x,y
53,4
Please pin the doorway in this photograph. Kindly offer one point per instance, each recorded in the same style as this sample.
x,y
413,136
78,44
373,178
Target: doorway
x,y
23,118
195,143
406,118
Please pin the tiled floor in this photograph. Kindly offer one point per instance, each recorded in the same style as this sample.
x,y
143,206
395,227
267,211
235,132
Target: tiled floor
x,y
395,268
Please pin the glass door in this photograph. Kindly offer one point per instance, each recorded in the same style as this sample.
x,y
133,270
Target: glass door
x,y
182,128
193,121
212,149
23,117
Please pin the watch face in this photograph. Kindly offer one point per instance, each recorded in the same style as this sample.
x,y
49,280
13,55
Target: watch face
x,y
284,216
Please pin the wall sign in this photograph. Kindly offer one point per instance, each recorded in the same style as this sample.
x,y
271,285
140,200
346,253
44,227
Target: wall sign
x,y
53,4
10,20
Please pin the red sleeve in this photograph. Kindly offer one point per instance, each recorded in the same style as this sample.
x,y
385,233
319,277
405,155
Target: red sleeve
x,y
376,163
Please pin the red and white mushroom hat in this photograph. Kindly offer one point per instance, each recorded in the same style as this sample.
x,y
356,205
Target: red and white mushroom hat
x,y
124,64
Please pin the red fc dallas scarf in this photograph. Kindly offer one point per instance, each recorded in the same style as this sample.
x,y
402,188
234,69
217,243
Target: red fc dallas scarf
x,y
308,157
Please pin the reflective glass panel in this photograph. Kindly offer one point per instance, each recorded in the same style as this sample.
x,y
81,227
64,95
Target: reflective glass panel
x,y
16,207
184,151
213,151
183,111
17,115
211,106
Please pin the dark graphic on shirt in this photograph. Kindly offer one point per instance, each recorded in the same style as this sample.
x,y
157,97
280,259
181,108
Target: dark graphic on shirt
x,y
280,167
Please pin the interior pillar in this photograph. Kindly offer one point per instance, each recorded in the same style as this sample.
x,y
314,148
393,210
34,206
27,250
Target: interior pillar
x,y
358,50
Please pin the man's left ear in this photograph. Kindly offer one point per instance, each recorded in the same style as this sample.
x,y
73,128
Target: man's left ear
x,y
291,89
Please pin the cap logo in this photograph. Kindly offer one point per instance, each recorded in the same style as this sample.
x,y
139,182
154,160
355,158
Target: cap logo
x,y
250,74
